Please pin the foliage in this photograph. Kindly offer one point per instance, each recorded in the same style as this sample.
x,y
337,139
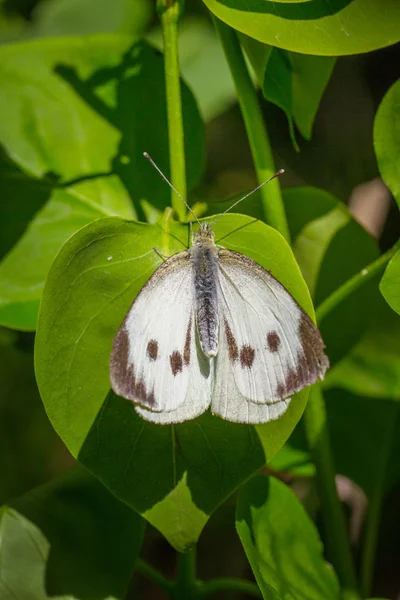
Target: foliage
x,y
84,222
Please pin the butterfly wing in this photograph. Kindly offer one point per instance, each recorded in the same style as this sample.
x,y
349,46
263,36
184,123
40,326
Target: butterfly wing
x,y
267,342
154,359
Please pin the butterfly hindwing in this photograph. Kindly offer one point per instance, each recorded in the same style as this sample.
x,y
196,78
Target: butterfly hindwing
x,y
272,346
154,359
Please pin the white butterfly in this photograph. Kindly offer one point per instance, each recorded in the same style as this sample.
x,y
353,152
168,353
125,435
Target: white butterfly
x,y
213,329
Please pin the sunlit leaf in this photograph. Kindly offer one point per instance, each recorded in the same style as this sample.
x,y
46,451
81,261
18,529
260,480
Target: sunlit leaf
x,y
325,27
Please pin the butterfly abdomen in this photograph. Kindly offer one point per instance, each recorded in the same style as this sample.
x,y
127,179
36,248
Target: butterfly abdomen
x,y
205,262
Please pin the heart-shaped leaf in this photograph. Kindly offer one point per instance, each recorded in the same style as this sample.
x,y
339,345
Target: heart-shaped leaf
x,y
282,543
73,123
328,28
175,476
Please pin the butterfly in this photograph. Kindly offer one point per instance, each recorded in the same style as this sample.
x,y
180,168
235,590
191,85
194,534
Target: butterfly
x,y
211,328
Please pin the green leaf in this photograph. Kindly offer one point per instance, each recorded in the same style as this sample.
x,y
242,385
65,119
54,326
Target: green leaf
x,y
386,139
23,554
323,230
328,28
372,368
174,476
73,123
365,442
94,539
282,544
294,82
390,283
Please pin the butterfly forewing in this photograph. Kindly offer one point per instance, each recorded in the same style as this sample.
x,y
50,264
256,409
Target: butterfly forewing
x,y
154,358
273,347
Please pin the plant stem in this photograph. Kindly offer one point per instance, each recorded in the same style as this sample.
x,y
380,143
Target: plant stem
x,y
170,11
320,448
257,133
374,509
236,585
155,576
186,585
352,284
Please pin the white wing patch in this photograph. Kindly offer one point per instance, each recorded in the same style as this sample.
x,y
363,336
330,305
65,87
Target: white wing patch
x,y
272,346
154,361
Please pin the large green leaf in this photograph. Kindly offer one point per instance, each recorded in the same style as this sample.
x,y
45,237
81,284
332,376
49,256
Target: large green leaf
x,y
73,121
175,476
94,539
387,139
294,82
328,28
282,543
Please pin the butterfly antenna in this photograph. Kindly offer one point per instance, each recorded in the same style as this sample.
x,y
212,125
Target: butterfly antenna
x,y
249,194
170,185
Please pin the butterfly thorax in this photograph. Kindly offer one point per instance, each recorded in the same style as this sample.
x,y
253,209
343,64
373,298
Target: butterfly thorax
x,y
204,257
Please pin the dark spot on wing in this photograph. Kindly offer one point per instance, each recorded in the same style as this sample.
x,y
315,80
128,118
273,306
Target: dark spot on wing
x,y
140,391
152,349
247,356
311,362
176,362
142,396
232,345
124,382
186,350
122,373
273,341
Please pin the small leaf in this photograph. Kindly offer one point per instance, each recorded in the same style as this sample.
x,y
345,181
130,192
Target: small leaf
x,y
294,82
185,471
387,139
282,544
390,283
327,28
91,555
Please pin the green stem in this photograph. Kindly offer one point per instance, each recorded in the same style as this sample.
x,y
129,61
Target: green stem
x,y
257,133
235,585
335,527
153,575
351,285
170,11
374,509
186,585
